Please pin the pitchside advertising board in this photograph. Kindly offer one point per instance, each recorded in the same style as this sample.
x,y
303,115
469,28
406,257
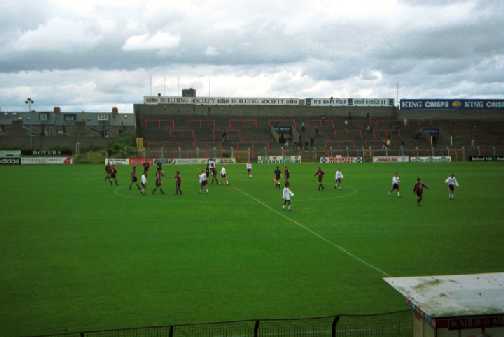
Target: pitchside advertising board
x,y
10,157
134,161
8,161
340,160
279,159
46,160
431,159
117,161
390,159
452,104
487,158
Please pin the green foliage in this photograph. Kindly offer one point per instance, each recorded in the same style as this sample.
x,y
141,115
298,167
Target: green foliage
x,y
90,157
122,146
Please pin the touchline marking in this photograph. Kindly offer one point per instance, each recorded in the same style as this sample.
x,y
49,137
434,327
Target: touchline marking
x,y
311,231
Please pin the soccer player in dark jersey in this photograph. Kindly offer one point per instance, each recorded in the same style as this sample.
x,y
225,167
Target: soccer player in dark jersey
x,y
108,170
320,177
277,175
113,175
178,183
146,167
286,174
418,190
134,178
213,171
159,181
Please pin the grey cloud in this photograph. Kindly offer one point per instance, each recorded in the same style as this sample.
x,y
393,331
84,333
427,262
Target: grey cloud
x,y
460,56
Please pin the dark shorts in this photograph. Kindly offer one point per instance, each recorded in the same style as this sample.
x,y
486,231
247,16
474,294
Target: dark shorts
x,y
134,179
113,175
419,194
338,180
223,176
158,184
395,186
143,185
451,188
203,183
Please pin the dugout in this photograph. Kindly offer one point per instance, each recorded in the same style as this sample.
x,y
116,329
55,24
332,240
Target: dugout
x,y
454,305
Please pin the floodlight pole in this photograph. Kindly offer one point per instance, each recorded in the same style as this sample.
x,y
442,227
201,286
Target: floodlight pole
x,y
29,101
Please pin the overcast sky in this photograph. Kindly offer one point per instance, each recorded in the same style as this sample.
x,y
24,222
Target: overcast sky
x,y
94,54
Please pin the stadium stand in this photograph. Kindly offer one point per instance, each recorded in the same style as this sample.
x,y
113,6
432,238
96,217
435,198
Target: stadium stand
x,y
260,128
189,130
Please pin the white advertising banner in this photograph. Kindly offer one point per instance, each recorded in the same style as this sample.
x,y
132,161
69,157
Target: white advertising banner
x,y
46,160
279,159
390,159
203,161
431,159
10,153
117,161
340,160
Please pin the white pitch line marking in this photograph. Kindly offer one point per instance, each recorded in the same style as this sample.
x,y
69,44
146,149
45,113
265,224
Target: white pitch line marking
x,y
311,231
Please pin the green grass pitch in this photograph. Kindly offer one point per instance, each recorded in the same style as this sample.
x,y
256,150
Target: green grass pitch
x,y
77,254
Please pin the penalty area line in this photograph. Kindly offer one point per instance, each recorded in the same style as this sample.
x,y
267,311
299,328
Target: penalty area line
x,y
311,231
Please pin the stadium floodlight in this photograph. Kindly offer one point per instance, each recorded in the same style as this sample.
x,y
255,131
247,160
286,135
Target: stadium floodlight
x,y
29,102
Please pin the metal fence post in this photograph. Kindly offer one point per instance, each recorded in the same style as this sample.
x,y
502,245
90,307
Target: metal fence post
x,y
333,326
256,329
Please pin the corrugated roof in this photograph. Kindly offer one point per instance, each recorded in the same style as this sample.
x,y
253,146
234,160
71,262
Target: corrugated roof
x,y
453,295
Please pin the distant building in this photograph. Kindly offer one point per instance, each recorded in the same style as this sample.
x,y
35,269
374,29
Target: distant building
x,y
189,92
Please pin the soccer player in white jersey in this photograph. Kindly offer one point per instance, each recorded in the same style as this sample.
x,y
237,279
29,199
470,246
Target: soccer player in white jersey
x,y
287,195
203,181
143,183
338,179
452,182
249,169
223,174
396,182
